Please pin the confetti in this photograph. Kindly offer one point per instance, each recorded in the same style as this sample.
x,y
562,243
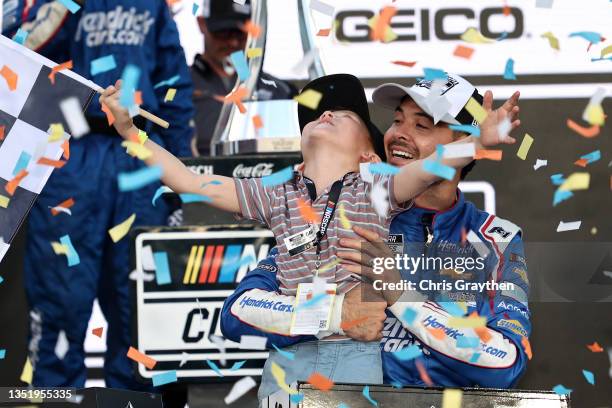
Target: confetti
x,y
348,325
552,40
344,221
214,367
236,97
592,157
2,354
589,376
320,382
471,322
595,347
590,36
576,181
239,388
254,52
452,151
438,333
296,398
162,268
237,365
561,196
323,32
474,358
383,168
170,94
451,398
141,358
72,255
120,230
61,207
184,358
73,114
525,146
168,82
380,199
468,342
473,130
588,133
544,3
161,190
309,98
408,353
409,315
22,163
423,374
305,62
27,372
509,70
561,390
139,178
45,161
58,68
482,154
527,347
257,122
164,378
10,77
2,131
366,395
59,249
483,334
187,198
129,77
135,149
72,6
472,35
148,262
568,226
381,31
252,29
322,7
409,64
102,64
439,169
62,345
279,375
248,342
20,36
431,74
540,163
307,212
97,331
462,51
476,110
4,201
279,177
240,64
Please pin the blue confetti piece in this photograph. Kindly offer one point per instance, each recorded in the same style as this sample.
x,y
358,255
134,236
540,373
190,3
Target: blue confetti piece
x,y
237,365
589,376
409,315
557,179
161,190
601,59
1,279
561,390
214,367
22,162
195,198
240,64
195,8
313,301
280,177
439,151
474,357
383,168
592,157
468,342
296,398
590,36
102,64
20,36
286,354
452,308
366,395
397,384
509,70
432,73
164,378
561,196
473,130
439,169
211,183
162,268
2,354
70,5
168,82
408,353
139,178
343,405
129,78
503,36
72,255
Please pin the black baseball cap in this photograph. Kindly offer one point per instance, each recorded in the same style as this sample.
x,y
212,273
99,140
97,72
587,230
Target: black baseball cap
x,y
342,92
226,14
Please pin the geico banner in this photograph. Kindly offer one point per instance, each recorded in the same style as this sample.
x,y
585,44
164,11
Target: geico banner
x,y
178,324
429,31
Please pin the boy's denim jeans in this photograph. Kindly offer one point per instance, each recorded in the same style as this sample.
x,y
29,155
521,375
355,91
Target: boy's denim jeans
x,y
343,361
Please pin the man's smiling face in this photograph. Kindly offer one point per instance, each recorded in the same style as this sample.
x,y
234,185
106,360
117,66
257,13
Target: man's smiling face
x,y
412,135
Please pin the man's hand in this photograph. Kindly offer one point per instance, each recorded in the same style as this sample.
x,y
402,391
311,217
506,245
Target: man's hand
x,y
489,128
363,320
361,260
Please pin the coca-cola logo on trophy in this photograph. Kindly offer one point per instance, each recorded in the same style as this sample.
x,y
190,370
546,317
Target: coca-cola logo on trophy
x,y
259,170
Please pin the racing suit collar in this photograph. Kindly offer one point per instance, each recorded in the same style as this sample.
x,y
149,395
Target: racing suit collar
x,y
443,220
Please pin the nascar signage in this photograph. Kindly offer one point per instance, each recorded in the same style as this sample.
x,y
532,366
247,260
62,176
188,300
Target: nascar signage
x,y
178,324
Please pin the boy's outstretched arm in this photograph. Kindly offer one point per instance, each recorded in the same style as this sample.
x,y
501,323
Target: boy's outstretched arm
x,y
413,179
174,173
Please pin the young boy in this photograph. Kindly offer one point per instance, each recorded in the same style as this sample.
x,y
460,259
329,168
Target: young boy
x,y
336,138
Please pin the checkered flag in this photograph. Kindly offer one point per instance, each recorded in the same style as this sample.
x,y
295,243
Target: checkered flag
x,y
29,104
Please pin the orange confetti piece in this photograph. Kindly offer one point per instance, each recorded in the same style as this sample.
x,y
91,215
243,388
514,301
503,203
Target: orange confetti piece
x,y
138,97
2,130
58,164
324,32
488,154
307,212
581,162
352,323
437,333
506,10
583,131
141,358
257,122
483,334
409,64
423,374
251,28
463,236
11,186
236,97
109,115
58,68
463,52
97,331
66,149
320,382
595,347
64,204
526,347
10,77
378,32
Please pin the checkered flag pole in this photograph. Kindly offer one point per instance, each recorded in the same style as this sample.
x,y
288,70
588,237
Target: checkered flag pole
x,y
29,148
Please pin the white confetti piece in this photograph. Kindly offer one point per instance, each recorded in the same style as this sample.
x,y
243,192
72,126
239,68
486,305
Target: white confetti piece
x,y
568,226
544,3
321,7
147,261
366,174
503,129
253,342
62,345
454,150
136,275
239,388
380,200
73,113
305,63
61,209
540,163
269,82
184,358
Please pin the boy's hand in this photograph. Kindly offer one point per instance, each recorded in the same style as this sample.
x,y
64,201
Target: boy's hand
x,y
123,122
489,129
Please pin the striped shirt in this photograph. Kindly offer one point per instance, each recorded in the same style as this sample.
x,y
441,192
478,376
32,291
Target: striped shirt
x,y
277,207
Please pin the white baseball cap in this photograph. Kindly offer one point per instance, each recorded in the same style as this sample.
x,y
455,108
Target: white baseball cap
x,y
448,106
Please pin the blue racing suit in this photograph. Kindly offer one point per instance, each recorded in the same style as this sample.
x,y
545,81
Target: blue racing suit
x,y
257,308
138,32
